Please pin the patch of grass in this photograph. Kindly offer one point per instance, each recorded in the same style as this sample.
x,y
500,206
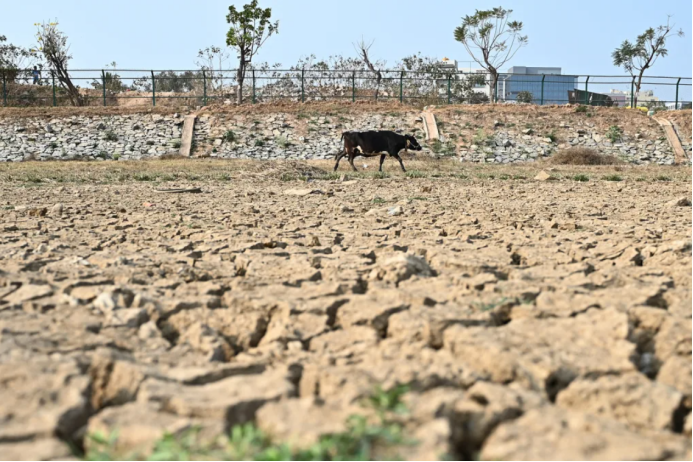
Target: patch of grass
x,y
552,136
614,133
378,200
418,198
461,176
581,177
102,155
486,306
378,175
363,439
288,177
229,136
663,178
110,136
583,156
581,108
302,115
503,176
641,178
143,177
613,177
282,142
330,176
519,177
415,174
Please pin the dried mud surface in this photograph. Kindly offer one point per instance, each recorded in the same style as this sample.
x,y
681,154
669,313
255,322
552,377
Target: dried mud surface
x,y
531,320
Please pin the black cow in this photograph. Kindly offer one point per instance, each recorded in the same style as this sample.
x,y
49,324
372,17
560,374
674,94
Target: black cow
x,y
373,143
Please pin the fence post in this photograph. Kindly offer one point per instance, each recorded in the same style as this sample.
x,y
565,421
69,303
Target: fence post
x,y
53,79
253,72
153,90
676,104
204,87
401,86
353,86
103,85
586,94
4,89
449,78
542,89
303,90
632,93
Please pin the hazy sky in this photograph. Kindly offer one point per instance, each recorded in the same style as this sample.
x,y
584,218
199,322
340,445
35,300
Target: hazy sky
x,y
143,34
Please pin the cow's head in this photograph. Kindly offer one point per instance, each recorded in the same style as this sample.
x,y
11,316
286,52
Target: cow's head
x,y
411,143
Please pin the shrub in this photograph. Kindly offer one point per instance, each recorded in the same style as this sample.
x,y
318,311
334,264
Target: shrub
x,y
552,136
229,136
581,177
102,155
525,97
583,156
282,142
116,156
663,178
613,177
110,136
581,108
614,133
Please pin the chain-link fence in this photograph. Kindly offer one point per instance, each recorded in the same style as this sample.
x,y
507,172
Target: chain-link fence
x,y
110,87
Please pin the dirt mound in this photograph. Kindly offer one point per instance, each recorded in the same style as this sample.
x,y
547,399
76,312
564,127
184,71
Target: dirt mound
x,y
582,156
682,120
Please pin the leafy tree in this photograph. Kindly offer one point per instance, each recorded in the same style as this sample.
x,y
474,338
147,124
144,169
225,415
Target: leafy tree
x,y
250,29
13,59
637,57
112,80
525,97
52,44
491,39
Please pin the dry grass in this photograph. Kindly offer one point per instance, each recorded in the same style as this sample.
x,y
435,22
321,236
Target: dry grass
x,y
583,156
192,171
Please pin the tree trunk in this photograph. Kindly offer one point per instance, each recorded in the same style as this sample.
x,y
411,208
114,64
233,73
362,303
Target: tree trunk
x,y
240,74
494,82
638,84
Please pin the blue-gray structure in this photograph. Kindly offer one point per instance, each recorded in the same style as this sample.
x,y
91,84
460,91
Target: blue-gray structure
x,y
523,78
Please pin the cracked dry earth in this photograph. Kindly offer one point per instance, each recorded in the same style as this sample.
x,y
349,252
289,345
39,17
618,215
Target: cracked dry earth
x,y
532,320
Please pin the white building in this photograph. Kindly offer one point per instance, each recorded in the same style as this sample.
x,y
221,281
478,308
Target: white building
x,y
622,98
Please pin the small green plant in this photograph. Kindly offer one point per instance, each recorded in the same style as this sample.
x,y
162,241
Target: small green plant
x,y
110,136
551,136
363,439
176,144
581,108
116,156
613,177
519,177
259,143
415,174
229,136
143,177
288,177
53,145
641,178
378,200
663,178
581,177
282,142
102,155
614,133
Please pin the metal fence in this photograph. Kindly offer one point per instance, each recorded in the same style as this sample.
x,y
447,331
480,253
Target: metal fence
x,y
123,87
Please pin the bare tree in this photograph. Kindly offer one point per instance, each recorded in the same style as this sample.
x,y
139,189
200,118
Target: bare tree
x,y
210,57
250,29
494,35
363,49
637,57
53,45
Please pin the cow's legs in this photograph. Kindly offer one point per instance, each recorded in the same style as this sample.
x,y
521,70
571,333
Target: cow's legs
x,y
341,154
382,159
352,156
401,164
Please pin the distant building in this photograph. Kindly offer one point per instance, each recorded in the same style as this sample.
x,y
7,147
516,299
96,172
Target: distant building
x,y
524,78
622,98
